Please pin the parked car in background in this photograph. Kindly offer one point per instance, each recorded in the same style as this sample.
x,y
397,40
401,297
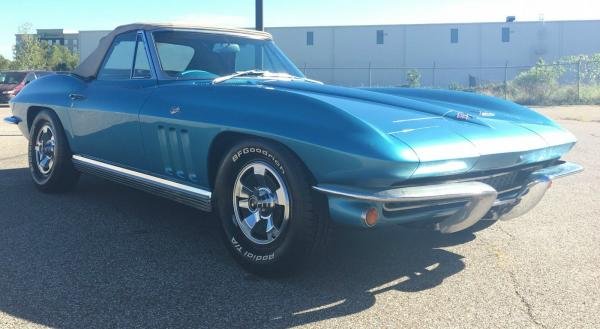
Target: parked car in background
x,y
220,119
12,82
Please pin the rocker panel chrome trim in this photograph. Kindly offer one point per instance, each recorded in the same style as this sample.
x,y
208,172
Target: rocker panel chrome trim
x,y
193,196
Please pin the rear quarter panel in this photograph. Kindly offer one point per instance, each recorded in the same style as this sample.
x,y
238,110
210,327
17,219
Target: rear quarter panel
x,y
46,92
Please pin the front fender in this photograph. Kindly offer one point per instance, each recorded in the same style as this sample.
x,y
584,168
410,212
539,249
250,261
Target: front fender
x,y
336,147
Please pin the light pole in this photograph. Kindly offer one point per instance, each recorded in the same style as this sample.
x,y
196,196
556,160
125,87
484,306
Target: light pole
x,y
259,15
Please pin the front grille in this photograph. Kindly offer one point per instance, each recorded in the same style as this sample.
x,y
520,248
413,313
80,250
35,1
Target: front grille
x,y
504,182
501,180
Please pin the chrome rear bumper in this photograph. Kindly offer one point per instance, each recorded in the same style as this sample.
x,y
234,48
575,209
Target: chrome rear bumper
x,y
458,205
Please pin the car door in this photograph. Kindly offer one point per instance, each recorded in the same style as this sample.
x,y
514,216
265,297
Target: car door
x,y
176,139
104,113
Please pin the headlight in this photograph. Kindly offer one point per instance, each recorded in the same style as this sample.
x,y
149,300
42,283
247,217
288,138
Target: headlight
x,y
8,92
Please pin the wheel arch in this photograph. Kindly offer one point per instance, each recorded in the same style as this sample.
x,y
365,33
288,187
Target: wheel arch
x,y
33,111
224,141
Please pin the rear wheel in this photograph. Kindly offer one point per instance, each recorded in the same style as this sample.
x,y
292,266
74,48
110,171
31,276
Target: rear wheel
x,y
49,155
272,220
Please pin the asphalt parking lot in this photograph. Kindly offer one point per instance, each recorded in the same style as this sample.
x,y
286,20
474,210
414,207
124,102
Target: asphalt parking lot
x,y
106,255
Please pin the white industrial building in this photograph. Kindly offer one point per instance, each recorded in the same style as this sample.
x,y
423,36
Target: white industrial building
x,y
444,54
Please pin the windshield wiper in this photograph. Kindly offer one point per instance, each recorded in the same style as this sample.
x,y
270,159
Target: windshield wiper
x,y
257,73
260,73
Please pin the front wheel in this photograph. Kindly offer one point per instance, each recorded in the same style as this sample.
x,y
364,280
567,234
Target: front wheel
x,y
271,219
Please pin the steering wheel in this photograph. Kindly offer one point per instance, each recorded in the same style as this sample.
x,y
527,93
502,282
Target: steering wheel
x,y
196,74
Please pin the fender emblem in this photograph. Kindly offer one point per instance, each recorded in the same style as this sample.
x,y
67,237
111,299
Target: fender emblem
x,y
462,116
174,110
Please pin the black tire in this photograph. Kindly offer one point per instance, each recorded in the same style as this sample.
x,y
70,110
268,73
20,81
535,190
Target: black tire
x,y
306,231
60,176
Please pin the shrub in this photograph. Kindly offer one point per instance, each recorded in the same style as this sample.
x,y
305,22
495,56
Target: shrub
x,y
538,84
455,86
589,71
413,78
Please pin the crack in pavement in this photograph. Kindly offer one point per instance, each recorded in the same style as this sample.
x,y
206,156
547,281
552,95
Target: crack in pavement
x,y
524,301
513,280
501,229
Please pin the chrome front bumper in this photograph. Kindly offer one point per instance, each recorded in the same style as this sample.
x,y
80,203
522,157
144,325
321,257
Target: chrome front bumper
x,y
457,205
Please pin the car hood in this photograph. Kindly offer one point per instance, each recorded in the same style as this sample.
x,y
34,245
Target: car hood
x,y
478,132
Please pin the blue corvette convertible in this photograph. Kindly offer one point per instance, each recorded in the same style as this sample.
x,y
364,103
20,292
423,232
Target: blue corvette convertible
x,y
222,120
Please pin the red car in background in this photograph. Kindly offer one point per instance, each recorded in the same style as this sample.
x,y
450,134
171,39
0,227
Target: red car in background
x,y
11,82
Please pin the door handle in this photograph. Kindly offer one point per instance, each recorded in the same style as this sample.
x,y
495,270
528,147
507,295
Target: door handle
x,y
76,97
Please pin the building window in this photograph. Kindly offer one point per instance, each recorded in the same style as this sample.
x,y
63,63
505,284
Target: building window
x,y
379,37
310,38
453,35
505,34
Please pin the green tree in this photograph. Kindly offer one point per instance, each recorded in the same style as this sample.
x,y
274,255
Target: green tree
x,y
29,53
32,54
60,58
4,63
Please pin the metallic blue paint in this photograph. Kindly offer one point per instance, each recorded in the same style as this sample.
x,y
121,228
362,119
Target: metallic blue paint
x,y
12,120
368,138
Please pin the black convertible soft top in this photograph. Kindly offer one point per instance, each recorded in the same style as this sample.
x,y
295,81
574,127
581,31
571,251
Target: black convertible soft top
x,y
89,67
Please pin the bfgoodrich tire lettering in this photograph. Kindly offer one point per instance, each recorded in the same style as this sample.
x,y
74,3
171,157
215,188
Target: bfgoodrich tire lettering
x,y
49,155
274,182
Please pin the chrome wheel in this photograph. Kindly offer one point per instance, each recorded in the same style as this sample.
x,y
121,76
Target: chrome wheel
x,y
261,203
45,149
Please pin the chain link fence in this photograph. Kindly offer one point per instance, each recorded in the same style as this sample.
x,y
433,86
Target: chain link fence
x,y
572,81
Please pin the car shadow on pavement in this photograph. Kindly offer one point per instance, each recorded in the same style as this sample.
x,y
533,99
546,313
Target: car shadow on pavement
x,y
106,255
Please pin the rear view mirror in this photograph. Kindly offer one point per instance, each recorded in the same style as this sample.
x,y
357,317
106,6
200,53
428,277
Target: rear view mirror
x,y
226,48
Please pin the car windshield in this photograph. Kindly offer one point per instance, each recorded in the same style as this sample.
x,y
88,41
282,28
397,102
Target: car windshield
x,y
11,78
199,55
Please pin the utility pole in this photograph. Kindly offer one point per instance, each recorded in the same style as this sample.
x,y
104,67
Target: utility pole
x,y
259,15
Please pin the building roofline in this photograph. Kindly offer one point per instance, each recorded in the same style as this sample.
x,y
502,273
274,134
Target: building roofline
x,y
266,34
437,24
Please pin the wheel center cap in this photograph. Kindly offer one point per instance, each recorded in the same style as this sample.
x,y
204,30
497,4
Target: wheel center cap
x,y
253,204
265,201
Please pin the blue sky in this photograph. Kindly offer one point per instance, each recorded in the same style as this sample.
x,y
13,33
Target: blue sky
x,y
106,14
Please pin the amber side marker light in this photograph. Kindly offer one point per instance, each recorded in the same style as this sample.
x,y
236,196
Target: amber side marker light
x,y
371,216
